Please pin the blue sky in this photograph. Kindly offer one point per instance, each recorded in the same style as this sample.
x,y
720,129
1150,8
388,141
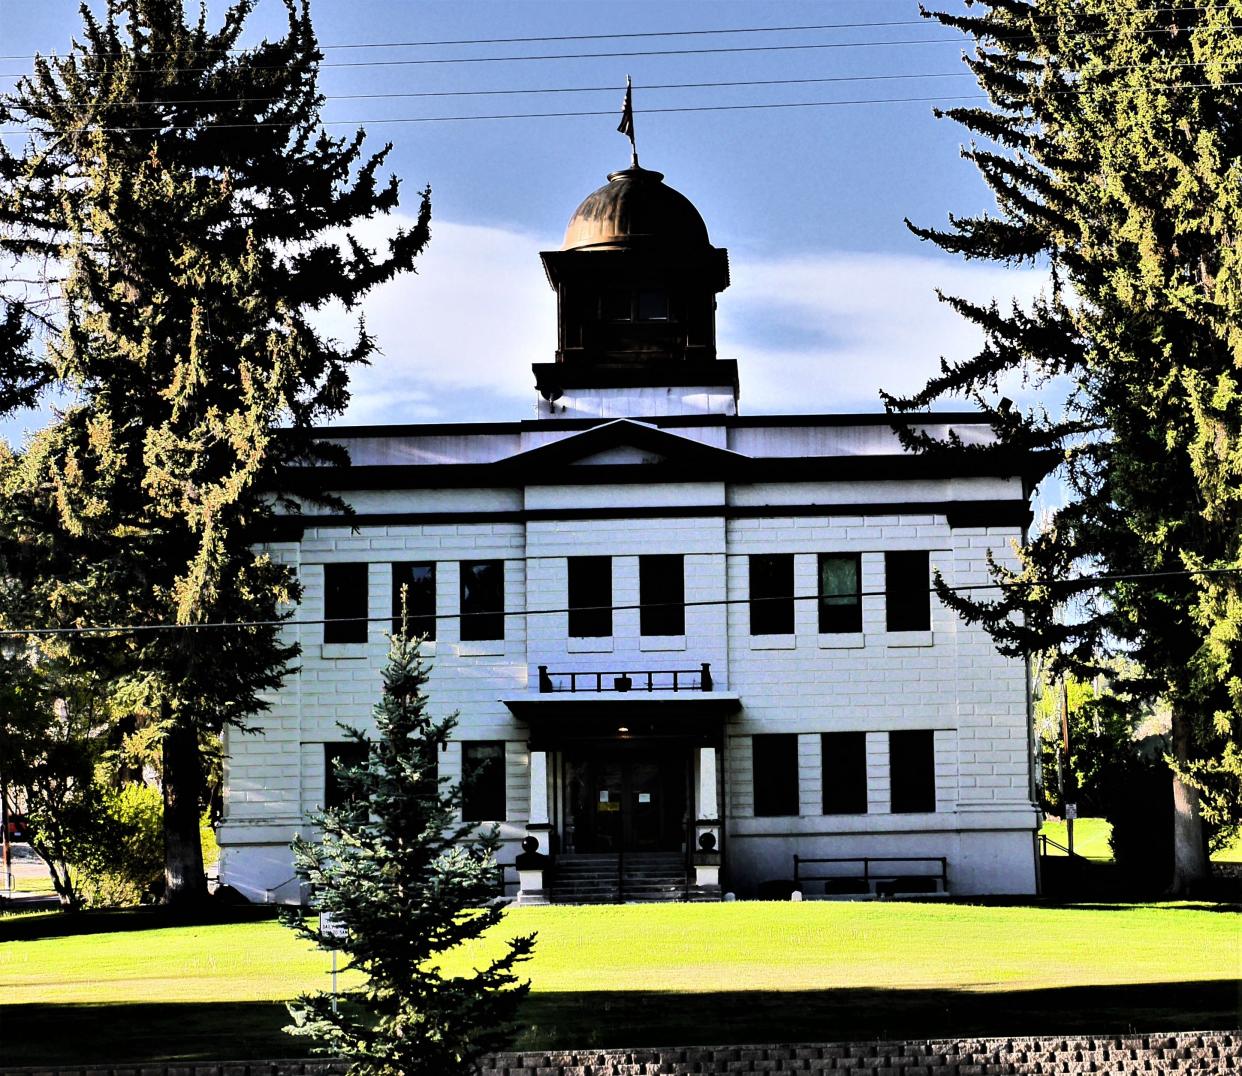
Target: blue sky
x,y
831,296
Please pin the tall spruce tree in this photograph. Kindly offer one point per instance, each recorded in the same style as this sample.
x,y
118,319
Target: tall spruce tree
x,y
193,203
405,882
1111,145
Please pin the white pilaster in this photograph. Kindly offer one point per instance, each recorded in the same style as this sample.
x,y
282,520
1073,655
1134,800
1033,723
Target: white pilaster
x,y
538,788
707,784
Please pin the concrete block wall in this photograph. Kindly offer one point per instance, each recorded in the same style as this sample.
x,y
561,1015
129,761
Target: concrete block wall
x,y
276,779
1208,1053
948,679
700,541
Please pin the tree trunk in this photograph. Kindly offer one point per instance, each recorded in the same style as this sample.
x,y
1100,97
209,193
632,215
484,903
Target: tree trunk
x,y
1190,863
184,881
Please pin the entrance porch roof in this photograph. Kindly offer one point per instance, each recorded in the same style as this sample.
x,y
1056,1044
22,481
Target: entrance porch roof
x,y
621,715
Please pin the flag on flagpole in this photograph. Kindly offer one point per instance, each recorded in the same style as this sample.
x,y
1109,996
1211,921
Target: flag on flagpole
x,y
626,126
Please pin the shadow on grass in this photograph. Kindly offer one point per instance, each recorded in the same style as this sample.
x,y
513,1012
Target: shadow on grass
x,y
57,924
76,1034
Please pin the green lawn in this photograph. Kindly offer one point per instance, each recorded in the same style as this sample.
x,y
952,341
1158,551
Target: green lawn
x,y
1090,837
641,975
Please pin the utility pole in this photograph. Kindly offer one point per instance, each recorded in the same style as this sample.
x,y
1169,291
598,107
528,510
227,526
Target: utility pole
x,y
4,835
1069,790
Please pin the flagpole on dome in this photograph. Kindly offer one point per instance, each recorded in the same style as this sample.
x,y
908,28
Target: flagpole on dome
x,y
626,126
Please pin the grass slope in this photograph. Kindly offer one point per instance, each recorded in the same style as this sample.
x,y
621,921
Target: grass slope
x,y
135,989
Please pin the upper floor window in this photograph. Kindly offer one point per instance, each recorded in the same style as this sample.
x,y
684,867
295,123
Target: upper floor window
x,y
840,593
646,304
662,594
418,583
907,590
771,594
483,781
590,596
345,603
775,774
912,771
482,599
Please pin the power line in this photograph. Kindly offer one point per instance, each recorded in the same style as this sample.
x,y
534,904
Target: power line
x,y
633,35
156,102
438,60
560,37
612,89
15,132
1078,583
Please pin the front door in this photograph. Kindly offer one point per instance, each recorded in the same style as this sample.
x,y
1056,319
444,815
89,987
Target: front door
x,y
626,801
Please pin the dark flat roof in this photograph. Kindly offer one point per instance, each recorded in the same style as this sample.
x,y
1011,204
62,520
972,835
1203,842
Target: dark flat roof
x,y
867,418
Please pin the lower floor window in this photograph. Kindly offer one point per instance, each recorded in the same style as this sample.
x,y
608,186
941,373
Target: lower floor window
x,y
775,774
912,771
337,757
845,772
483,781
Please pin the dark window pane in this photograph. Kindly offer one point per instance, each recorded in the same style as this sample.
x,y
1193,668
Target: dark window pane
x,y
907,595
590,596
840,593
845,772
615,306
912,770
419,581
652,306
776,774
483,781
482,599
662,594
335,756
344,599
771,594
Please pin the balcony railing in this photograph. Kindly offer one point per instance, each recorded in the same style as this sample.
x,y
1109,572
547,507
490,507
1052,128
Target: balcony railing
x,y
699,679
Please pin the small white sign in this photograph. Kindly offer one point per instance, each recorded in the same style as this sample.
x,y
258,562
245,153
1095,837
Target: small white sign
x,y
603,795
1071,811
330,926
644,797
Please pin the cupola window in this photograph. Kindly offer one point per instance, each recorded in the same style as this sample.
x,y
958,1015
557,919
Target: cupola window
x,y
649,304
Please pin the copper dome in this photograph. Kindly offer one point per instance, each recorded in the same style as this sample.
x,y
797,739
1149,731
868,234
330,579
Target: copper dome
x,y
635,206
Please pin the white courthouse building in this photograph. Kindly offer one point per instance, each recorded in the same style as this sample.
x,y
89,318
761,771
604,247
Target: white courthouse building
x,y
687,646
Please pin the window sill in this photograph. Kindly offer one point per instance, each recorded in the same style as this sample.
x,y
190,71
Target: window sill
x,y
480,648
589,644
899,639
773,642
842,640
662,642
348,651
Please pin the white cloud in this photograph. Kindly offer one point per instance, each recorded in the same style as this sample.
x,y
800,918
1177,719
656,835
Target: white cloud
x,y
822,333
475,316
826,333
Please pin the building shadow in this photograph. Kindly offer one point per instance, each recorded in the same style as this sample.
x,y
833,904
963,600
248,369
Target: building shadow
x,y
46,1035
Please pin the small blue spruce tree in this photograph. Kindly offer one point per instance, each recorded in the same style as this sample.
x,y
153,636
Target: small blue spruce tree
x,y
405,882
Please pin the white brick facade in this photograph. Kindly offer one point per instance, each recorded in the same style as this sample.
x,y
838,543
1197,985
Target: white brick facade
x,y
948,679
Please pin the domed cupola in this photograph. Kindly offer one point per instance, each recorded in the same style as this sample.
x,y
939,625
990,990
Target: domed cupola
x,y
636,281
635,208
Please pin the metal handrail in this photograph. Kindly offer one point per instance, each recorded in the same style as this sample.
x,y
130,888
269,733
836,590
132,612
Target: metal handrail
x,y
866,861
1045,840
626,680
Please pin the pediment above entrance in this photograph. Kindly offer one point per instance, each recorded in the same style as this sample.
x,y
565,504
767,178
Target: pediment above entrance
x,y
625,442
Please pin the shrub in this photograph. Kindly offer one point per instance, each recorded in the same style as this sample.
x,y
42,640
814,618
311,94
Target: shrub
x,y
126,865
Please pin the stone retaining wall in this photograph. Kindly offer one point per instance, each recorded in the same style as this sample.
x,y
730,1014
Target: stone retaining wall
x,y
1120,1055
